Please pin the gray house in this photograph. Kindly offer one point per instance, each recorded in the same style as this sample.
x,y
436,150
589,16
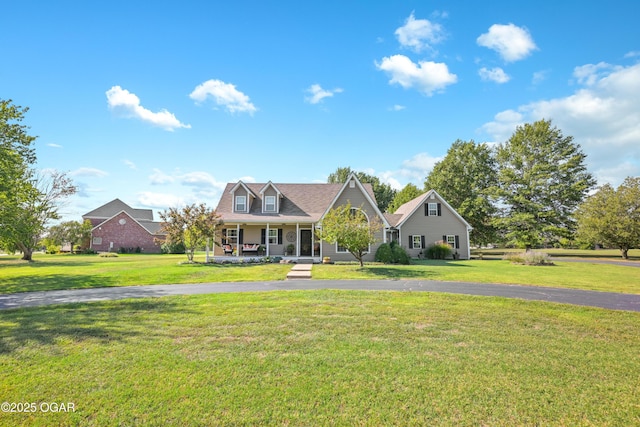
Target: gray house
x,y
281,220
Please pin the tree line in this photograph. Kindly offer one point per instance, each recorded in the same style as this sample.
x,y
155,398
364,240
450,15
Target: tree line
x,y
533,190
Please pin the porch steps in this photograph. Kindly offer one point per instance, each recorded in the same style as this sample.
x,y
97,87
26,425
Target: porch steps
x,y
300,271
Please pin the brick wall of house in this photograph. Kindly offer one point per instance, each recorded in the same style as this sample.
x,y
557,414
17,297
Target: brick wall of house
x,y
122,231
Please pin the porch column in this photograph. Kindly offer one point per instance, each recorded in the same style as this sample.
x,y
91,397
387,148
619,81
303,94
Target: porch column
x,y
238,240
297,240
313,241
266,239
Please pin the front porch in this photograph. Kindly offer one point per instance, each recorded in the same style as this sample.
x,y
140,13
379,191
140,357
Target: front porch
x,y
293,242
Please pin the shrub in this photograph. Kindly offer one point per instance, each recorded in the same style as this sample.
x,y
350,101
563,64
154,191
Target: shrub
x,y
391,253
528,258
438,251
173,248
108,255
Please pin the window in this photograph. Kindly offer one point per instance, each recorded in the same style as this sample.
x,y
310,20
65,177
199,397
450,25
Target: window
x,y
270,203
241,203
273,236
97,240
341,249
417,242
232,236
433,209
451,240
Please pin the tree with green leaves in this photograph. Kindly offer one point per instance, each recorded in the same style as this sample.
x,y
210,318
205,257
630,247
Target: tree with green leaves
x,y
383,192
408,193
464,178
36,210
70,232
191,226
611,217
16,157
351,229
542,178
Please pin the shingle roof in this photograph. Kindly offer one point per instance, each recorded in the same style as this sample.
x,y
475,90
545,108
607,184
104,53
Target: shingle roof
x,y
115,206
299,203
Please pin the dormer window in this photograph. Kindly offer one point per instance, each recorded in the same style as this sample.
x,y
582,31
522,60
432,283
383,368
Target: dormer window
x,y
241,203
270,203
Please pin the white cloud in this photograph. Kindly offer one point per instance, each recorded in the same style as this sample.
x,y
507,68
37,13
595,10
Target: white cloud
x,y
397,108
602,117
88,172
161,200
225,95
495,75
632,54
128,104
130,164
419,34
317,94
160,178
201,179
426,76
510,41
52,145
539,76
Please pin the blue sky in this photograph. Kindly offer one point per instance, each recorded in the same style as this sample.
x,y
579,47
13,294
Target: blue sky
x,y
162,103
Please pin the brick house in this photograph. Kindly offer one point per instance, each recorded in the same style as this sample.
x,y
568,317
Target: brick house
x,y
119,227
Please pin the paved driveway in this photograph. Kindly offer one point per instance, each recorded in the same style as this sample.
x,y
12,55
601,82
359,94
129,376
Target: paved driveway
x,y
613,301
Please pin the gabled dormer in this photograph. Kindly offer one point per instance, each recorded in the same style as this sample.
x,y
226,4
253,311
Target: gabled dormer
x,y
242,197
271,197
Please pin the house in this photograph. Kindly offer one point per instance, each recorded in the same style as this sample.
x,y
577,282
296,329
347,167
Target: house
x,y
429,219
119,227
281,220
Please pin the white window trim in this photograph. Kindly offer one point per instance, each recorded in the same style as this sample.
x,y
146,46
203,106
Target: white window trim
x,y
451,240
232,236
413,238
433,209
267,204
272,237
241,201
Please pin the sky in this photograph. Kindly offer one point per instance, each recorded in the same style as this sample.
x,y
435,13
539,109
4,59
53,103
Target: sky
x,y
160,104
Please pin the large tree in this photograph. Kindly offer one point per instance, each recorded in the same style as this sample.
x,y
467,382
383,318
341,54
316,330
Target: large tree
x,y
349,228
16,157
611,217
191,226
35,210
408,193
542,178
383,192
464,178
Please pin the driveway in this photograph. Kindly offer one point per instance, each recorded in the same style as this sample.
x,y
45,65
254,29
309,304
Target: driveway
x,y
608,300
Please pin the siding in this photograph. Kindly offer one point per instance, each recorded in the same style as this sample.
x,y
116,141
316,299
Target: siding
x,y
433,228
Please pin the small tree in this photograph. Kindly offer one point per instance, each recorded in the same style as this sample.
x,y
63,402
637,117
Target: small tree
x,y
351,229
71,232
612,217
191,226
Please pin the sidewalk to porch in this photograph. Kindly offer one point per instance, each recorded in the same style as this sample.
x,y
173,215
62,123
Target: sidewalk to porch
x,y
300,271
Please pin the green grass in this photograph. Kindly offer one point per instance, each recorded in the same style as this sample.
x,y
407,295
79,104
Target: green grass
x,y
50,272
590,276
322,358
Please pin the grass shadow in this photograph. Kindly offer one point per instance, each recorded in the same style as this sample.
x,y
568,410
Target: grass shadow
x,y
102,321
50,282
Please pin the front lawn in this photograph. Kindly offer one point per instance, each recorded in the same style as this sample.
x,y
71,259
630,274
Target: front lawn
x,y
50,272
322,358
589,276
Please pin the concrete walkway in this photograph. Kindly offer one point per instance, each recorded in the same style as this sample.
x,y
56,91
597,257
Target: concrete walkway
x,y
608,300
300,271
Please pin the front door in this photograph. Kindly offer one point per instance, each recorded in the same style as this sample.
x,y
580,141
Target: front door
x,y
305,243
